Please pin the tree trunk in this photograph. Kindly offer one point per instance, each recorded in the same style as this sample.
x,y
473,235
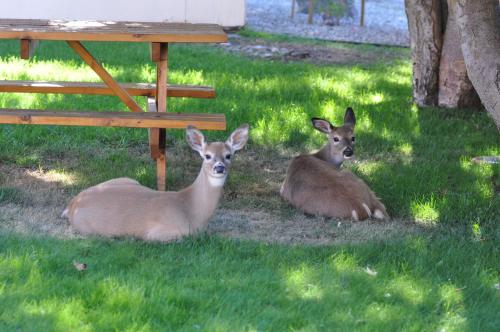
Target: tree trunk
x,y
426,39
310,12
455,88
480,41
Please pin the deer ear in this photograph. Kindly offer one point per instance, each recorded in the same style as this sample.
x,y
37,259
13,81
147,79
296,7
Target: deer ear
x,y
322,125
238,138
349,117
195,139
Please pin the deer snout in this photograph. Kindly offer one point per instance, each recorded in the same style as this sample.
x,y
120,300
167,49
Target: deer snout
x,y
348,152
219,168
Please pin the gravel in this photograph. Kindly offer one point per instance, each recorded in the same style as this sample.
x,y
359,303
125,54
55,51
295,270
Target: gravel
x,y
385,22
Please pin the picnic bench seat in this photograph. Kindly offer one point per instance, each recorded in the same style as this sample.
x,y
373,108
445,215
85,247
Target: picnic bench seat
x,y
155,117
205,121
97,88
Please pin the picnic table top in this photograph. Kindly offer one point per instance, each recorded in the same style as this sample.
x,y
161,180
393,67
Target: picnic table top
x,y
111,31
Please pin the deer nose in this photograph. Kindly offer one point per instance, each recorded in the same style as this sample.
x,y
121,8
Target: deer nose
x,y
220,169
348,152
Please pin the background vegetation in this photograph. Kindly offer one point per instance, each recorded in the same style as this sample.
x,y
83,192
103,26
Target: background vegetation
x,y
417,160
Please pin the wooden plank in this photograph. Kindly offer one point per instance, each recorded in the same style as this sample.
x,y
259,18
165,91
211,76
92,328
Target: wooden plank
x,y
27,48
161,172
111,31
154,133
161,78
98,88
161,106
105,76
155,50
113,119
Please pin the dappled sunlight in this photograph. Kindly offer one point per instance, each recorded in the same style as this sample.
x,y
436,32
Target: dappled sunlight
x,y
375,98
413,159
19,100
406,288
425,210
453,306
399,73
339,84
60,176
368,167
406,150
141,172
301,283
190,77
344,262
327,110
215,283
285,123
66,314
51,70
115,294
478,170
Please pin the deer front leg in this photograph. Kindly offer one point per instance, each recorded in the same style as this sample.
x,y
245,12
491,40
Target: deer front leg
x,y
163,233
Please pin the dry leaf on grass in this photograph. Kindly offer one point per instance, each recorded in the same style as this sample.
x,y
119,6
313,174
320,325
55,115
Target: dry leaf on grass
x,y
370,271
80,266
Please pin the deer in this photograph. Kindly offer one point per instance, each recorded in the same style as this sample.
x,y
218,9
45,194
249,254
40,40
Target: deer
x,y
123,207
316,184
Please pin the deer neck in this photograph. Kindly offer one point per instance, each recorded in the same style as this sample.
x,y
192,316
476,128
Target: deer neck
x,y
202,198
325,155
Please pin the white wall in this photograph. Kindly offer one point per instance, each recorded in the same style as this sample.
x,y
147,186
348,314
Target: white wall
x,y
229,13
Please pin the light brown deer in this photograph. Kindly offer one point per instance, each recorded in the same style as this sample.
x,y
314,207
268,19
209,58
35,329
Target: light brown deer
x,y
123,207
315,184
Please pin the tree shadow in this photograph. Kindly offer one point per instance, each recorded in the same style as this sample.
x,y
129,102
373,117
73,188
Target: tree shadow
x,y
413,284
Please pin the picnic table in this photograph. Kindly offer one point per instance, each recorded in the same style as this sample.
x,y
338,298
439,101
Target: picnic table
x,y
159,35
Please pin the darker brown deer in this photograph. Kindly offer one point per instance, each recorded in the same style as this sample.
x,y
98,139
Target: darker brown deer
x,y
315,183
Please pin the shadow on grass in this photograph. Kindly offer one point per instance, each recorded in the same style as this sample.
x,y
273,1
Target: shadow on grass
x,y
416,160
212,284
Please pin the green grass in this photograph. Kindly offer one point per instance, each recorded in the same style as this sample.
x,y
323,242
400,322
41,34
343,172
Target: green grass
x,y
417,160
438,283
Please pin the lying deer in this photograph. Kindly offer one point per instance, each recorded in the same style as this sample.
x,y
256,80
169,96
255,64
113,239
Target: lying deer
x,y
315,184
122,207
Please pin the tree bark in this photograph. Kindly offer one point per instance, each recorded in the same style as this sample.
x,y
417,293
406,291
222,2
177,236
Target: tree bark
x,y
480,43
310,12
455,88
426,40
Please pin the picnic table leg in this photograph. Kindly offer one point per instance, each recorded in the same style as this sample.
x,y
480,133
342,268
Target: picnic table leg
x,y
159,54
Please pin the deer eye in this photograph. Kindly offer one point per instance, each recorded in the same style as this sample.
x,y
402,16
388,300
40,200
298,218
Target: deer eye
x,y
228,156
353,139
336,139
208,157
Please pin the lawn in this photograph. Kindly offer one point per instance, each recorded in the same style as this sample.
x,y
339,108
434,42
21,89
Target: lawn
x,y
262,265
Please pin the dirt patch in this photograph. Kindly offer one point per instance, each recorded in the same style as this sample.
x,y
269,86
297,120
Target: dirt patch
x,y
309,52
250,209
302,229
37,205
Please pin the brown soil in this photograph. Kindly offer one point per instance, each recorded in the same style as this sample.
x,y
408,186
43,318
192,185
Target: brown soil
x,y
250,209
323,54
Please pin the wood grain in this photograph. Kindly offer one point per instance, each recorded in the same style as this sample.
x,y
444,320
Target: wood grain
x,y
161,59
97,88
27,48
105,76
111,31
113,119
154,133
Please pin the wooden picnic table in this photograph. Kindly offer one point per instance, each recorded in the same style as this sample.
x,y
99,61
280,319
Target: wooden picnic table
x,y
159,35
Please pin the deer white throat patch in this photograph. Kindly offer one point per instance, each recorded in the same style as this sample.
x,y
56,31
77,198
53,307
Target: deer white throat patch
x,y
216,182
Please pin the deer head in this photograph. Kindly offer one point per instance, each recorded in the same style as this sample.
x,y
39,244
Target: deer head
x,y
217,156
340,144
